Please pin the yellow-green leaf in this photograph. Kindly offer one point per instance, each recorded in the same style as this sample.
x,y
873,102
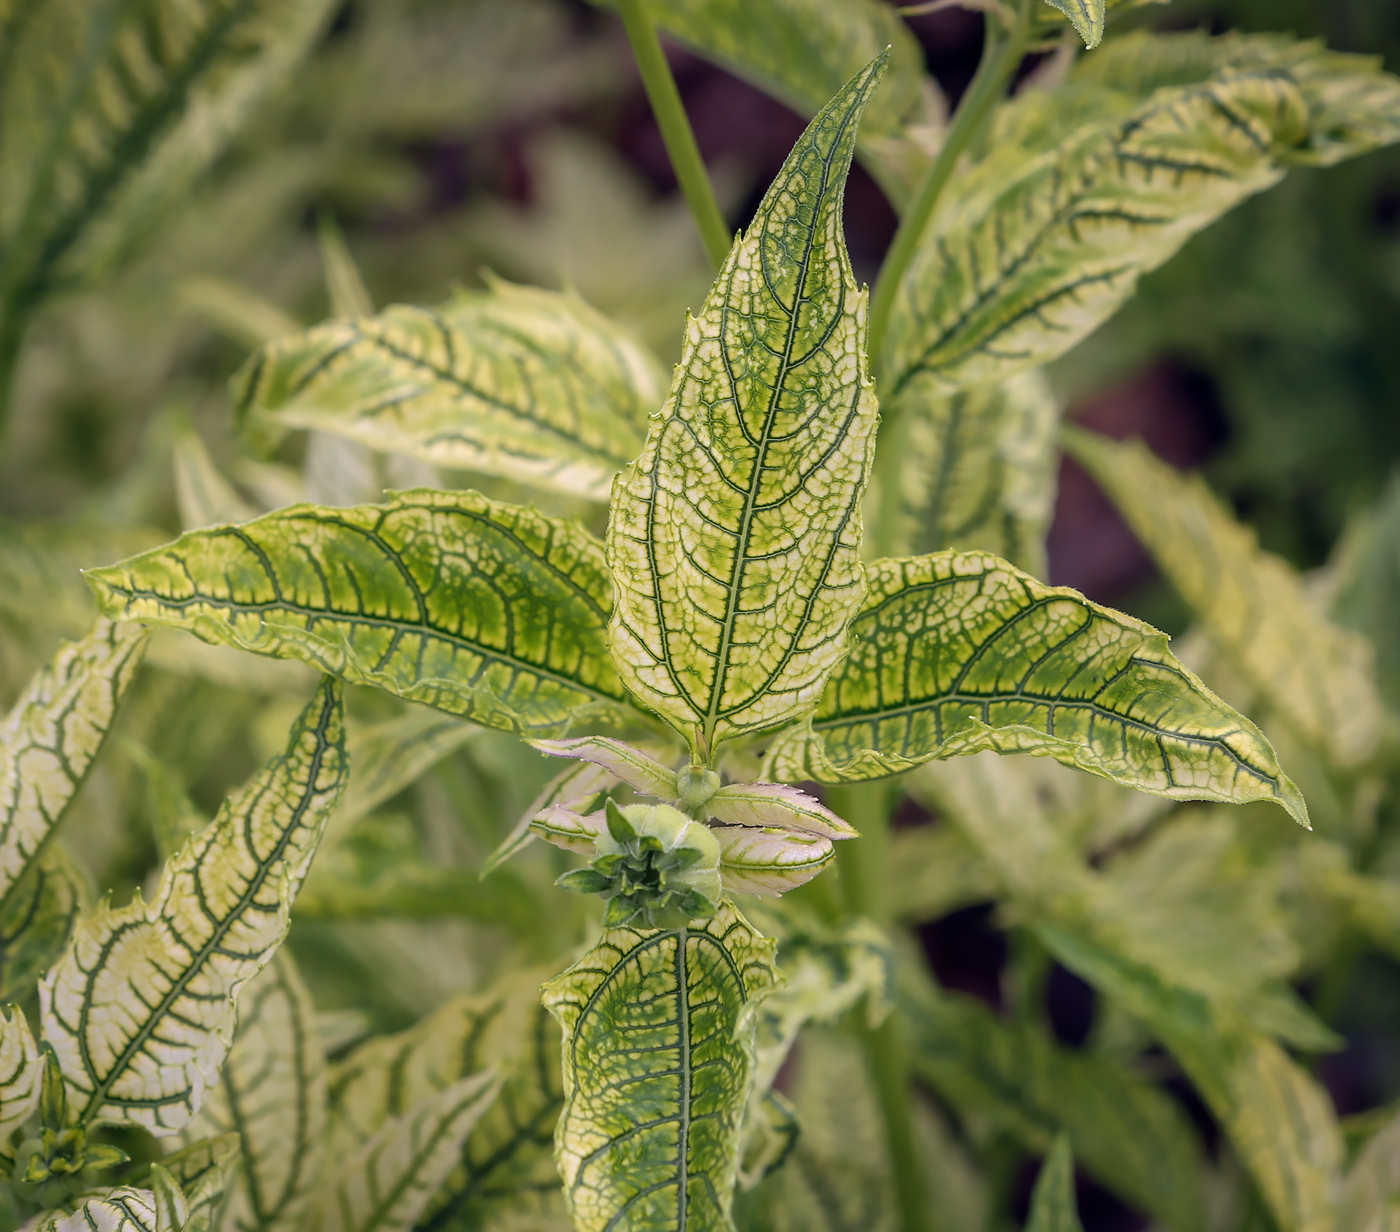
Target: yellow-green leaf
x,y
528,384
50,737
1086,16
973,469
658,1062
1053,1205
734,537
21,1071
109,112
1318,677
489,611
959,651
140,1010
1370,1200
387,1183
1084,190
272,1092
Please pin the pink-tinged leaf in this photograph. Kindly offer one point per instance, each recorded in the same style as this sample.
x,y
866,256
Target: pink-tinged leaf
x,y
774,804
569,830
769,861
640,772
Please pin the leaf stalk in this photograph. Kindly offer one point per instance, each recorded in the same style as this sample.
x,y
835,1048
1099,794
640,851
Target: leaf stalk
x,y
1001,54
676,132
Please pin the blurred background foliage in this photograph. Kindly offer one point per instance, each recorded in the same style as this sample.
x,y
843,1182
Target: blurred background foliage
x,y
441,138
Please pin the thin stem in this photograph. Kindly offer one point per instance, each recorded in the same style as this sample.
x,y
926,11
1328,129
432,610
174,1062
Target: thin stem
x,y
1000,56
863,863
675,128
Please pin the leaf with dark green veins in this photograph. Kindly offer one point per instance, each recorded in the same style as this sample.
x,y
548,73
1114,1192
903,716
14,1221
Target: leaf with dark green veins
x,y
973,470
958,652
203,1171
272,1092
1086,16
1319,677
486,610
21,1073
658,1061
1088,187
38,922
141,1008
1053,1206
50,737
109,112
527,384
734,538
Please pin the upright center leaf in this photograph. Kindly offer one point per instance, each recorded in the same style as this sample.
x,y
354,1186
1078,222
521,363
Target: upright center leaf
x,y
734,537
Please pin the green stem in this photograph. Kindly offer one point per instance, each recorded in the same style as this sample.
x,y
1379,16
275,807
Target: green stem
x,y
675,128
1001,54
863,863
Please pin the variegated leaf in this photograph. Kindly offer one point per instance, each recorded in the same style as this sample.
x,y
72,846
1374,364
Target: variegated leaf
x,y
202,495
387,1183
38,922
958,652
668,1017
973,470
128,1209
776,804
140,1011
1053,1205
489,611
769,861
1084,191
21,1070
50,737
527,384
640,772
203,1171
1318,677
1132,1136
272,1092
507,1160
733,539
108,114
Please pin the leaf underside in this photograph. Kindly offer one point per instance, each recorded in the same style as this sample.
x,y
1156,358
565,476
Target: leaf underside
x,y
734,537
141,1008
489,611
658,1062
958,652
518,382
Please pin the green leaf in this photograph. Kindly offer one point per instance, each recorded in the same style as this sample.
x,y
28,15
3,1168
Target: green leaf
x,y
508,1157
958,652
38,922
973,469
658,1059
531,385
109,112
272,1092
1132,1137
734,537
49,739
1318,677
804,51
387,1183
202,495
344,285
21,1072
142,1006
1087,17
1053,1207
934,870
485,610
1087,188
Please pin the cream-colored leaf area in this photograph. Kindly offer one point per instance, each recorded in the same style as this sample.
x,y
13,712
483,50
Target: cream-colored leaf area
x,y
958,652
973,469
1315,675
769,861
21,1070
128,1209
52,734
734,538
514,381
631,766
272,1092
140,1011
